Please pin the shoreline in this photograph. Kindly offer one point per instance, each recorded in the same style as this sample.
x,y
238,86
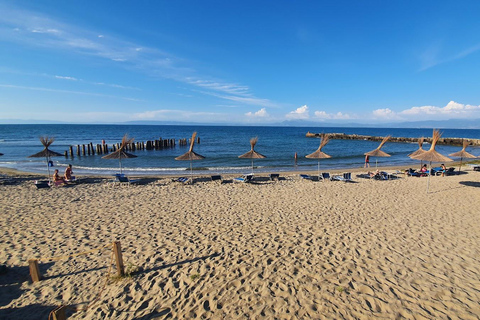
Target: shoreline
x,y
355,170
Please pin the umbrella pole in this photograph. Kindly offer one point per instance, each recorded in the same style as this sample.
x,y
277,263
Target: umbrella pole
x,y
252,165
460,169
120,161
319,168
48,169
191,172
429,174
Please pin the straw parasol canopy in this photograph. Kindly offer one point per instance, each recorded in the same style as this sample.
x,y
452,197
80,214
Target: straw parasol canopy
x,y
462,154
46,152
432,155
252,154
420,148
377,152
190,154
121,153
324,139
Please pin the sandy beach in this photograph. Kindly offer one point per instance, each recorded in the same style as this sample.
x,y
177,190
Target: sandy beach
x,y
287,249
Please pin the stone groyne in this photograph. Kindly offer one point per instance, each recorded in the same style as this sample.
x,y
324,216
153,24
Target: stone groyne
x,y
444,141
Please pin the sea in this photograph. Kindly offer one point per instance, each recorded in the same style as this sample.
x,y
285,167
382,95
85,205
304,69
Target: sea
x,y
220,145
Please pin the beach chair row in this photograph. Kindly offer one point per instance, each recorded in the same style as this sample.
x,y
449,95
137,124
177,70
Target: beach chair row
x,y
325,176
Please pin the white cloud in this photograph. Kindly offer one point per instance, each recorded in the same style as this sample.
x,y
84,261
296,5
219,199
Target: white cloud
x,y
262,113
327,116
431,56
451,110
35,29
66,78
384,114
299,113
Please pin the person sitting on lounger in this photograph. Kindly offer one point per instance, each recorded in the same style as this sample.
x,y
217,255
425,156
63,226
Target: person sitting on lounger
x,y
68,173
56,178
424,169
443,170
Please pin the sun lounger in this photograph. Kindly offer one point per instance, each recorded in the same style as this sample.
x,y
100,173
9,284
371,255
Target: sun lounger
x,y
42,184
216,178
122,179
244,178
450,171
326,176
307,177
274,176
181,179
346,177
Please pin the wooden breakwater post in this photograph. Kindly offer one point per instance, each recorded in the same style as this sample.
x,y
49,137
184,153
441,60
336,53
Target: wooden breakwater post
x,y
34,270
117,251
71,151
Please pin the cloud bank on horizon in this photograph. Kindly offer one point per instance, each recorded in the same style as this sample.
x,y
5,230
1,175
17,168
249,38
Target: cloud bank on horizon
x,y
63,69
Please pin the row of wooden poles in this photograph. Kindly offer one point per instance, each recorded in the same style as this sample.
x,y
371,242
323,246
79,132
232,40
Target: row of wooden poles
x,y
91,149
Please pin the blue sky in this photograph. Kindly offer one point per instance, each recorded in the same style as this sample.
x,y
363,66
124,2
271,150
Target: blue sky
x,y
245,62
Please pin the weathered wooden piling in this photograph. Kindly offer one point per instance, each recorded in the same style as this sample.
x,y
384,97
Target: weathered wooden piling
x,y
71,151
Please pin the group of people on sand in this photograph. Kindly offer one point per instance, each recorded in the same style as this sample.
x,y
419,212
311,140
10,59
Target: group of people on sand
x,y
67,177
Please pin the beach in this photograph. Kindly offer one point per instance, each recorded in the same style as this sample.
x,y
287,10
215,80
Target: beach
x,y
286,249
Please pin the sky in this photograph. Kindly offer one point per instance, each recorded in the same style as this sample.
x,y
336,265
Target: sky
x,y
243,62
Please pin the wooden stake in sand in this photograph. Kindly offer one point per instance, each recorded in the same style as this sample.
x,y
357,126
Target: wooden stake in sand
x,y
34,270
59,313
117,250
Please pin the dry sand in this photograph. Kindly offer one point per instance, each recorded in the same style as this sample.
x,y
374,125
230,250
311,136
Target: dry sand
x,y
288,249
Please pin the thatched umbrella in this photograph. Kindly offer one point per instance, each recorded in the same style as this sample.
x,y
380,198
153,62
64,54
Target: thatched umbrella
x,y
377,152
462,154
432,155
319,154
190,155
47,153
420,149
121,153
252,154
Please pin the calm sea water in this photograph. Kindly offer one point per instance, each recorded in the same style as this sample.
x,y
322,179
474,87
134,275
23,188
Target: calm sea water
x,y
221,146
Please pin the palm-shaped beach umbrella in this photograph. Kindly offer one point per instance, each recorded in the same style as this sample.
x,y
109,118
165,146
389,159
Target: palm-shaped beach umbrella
x,y
432,155
319,154
377,152
462,154
252,154
47,153
190,155
121,153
